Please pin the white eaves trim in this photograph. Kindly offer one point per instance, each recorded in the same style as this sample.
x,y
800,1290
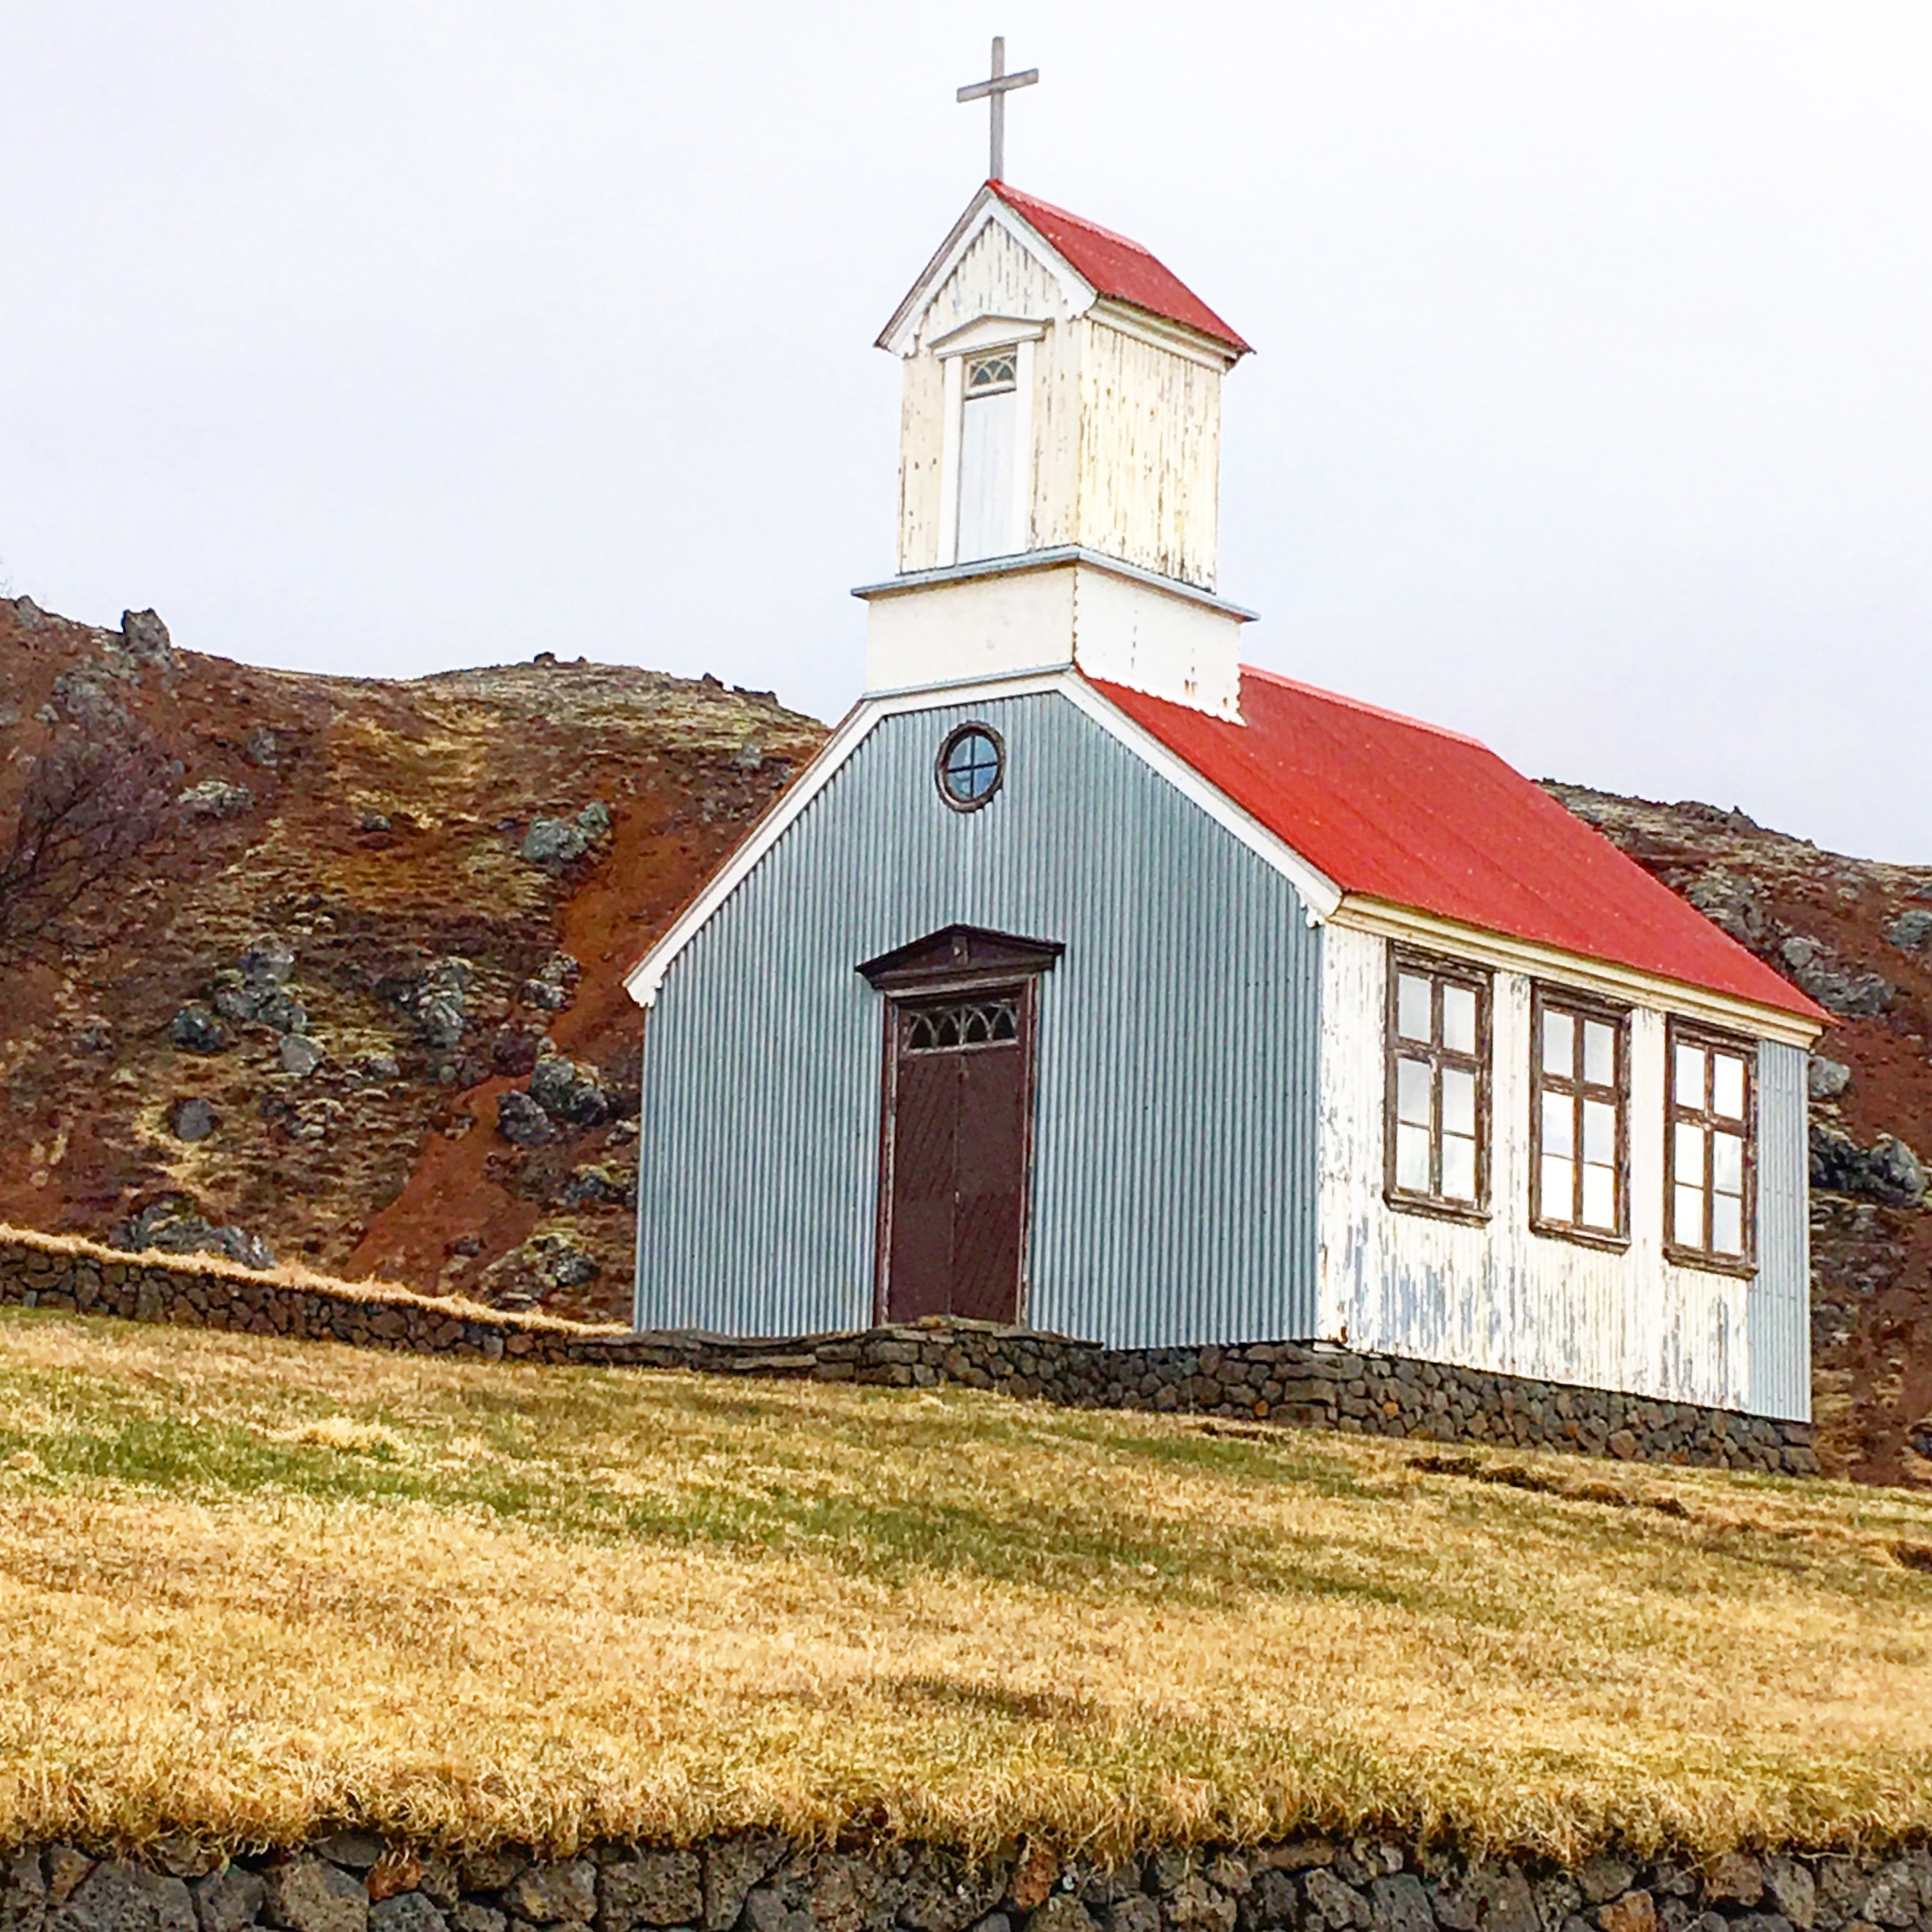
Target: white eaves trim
x,y
1318,893
1630,984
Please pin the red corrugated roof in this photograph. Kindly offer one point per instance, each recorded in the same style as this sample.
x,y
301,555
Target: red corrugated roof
x,y
1404,812
1118,267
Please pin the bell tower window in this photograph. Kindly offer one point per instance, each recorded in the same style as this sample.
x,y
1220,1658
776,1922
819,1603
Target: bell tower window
x,y
989,455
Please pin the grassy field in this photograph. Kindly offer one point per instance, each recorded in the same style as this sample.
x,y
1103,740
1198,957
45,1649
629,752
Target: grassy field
x,y
247,1585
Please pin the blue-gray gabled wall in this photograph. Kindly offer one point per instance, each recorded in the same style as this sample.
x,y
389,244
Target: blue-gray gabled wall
x,y
1175,1157
1780,1309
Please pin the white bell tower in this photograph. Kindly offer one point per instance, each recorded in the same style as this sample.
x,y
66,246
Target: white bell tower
x,y
1059,462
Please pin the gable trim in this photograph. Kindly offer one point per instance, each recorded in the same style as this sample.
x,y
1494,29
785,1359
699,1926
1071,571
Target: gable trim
x,y
1359,912
901,335
1319,894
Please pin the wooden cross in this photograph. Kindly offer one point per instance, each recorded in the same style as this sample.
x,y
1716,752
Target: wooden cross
x,y
995,88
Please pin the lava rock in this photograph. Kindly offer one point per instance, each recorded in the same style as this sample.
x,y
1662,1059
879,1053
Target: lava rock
x,y
228,1900
118,1897
1825,1079
216,798
174,1226
555,1894
310,1894
521,1120
195,1029
555,843
190,1120
298,1055
1888,1170
1814,968
1911,932
568,1090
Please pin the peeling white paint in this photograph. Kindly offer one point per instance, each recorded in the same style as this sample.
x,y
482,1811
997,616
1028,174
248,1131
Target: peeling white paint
x,y
1498,1296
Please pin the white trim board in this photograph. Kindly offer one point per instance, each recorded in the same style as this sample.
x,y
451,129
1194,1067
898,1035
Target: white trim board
x,y
1630,984
1318,893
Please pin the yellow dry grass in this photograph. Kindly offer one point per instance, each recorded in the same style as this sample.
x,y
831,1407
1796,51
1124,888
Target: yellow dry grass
x,y
246,1586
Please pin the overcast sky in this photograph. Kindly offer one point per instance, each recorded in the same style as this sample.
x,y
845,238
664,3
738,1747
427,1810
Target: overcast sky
x,y
1592,414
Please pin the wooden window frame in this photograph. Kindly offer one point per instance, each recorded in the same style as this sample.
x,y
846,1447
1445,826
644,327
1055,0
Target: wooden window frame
x,y
1676,1031
1580,1006
1439,971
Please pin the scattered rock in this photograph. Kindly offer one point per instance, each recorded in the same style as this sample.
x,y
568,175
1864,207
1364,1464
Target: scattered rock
x,y
375,821
1888,1170
520,1120
599,1187
190,1120
514,1051
1813,967
298,1055
555,843
1825,1079
216,798
145,638
569,1091
1728,901
196,1030
436,1001
173,1226
263,749
1911,932
375,1070
555,1261
552,987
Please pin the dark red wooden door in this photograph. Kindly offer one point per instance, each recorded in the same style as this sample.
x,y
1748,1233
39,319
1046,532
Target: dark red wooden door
x,y
957,1159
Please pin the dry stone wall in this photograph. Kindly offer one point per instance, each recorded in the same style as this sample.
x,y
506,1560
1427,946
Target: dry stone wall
x,y
1308,1385
353,1881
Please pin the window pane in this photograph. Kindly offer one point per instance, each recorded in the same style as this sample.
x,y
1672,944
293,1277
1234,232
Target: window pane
x,y
1600,1133
1559,1189
1599,1054
1459,1168
1727,1163
1559,1045
1689,1166
1727,1086
1458,1101
1687,1225
1727,1225
1411,1092
1559,1124
1689,1083
1412,1019
1458,1019
1411,1159
1600,1199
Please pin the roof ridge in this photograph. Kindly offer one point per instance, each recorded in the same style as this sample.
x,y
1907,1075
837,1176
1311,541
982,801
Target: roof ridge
x,y
1362,705
1006,192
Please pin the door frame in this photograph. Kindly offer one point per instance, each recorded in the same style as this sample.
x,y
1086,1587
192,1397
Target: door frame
x,y
956,959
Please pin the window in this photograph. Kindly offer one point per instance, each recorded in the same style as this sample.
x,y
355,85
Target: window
x,y
1579,1082
989,435
972,761
1708,1213
1436,1119
989,1022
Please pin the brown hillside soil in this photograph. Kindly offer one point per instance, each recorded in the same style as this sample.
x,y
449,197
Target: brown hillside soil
x,y
1871,1284
378,838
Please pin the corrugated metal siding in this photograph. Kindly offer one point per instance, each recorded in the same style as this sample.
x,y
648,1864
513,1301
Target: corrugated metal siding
x,y
1174,1159
1780,1302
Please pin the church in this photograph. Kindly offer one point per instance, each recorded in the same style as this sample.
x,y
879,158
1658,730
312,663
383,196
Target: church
x,y
1091,980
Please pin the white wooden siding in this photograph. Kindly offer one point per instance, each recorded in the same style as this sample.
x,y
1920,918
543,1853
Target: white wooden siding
x,y
1149,457
1497,1296
1124,452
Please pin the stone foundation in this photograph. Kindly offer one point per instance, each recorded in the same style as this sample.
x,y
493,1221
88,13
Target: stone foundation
x,y
352,1882
1310,1385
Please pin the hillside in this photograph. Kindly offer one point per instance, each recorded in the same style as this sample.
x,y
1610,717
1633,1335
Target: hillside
x,y
251,1586
377,906
360,1005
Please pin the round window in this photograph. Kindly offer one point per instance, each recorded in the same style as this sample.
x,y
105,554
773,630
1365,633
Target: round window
x,y
971,763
